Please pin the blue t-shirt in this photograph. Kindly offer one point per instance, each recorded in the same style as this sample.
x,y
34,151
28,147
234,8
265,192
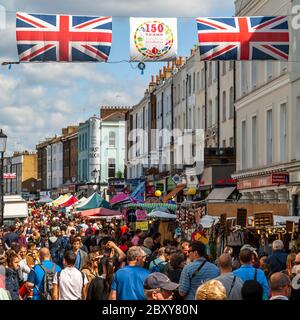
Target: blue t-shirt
x,y
129,283
36,276
247,272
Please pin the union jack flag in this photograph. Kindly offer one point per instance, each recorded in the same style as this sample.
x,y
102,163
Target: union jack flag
x,y
44,37
243,38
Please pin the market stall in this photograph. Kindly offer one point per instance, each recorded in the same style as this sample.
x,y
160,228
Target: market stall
x,y
94,201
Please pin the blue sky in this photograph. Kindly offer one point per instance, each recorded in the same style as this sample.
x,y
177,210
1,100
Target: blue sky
x,y
37,100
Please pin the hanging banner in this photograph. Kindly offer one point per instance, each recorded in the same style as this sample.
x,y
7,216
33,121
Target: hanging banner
x,y
243,38
153,39
45,37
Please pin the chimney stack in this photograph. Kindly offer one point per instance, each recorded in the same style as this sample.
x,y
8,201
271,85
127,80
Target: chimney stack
x,y
152,84
168,71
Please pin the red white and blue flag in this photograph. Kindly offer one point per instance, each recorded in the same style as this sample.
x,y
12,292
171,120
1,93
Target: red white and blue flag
x,y
244,38
45,37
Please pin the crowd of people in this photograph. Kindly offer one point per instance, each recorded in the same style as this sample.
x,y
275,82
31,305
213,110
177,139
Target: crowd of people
x,y
52,256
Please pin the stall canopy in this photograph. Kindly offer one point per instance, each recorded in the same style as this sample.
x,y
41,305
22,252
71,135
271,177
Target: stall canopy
x,y
45,199
120,199
173,193
81,200
139,192
150,206
93,202
220,194
72,200
60,200
100,212
161,215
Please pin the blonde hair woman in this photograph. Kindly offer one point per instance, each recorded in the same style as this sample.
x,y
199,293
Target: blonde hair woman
x,y
211,290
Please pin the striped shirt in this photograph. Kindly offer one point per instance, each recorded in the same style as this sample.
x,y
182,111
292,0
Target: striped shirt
x,y
189,284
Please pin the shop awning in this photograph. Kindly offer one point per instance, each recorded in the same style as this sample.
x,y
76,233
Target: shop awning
x,y
100,212
173,193
220,194
150,206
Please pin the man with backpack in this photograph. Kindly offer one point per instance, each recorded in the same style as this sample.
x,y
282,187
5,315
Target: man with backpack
x,y
40,278
70,283
248,272
197,272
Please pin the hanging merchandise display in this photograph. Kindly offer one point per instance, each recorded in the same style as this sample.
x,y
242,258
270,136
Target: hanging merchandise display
x,y
63,38
153,39
243,38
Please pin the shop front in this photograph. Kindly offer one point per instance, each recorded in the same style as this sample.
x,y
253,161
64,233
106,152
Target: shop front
x,y
265,189
66,189
217,177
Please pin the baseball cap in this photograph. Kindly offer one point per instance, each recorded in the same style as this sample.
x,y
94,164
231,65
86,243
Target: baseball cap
x,y
159,280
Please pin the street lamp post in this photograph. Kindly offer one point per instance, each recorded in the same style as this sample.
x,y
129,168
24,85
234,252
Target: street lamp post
x,y
3,139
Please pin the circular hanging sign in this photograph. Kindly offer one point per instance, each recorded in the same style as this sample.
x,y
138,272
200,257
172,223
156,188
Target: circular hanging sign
x,y
153,39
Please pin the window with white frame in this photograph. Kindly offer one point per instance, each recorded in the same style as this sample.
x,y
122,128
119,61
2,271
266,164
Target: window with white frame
x,y
269,137
231,103
210,73
198,81
194,82
216,67
111,168
283,132
243,144
210,113
223,68
112,139
216,110
254,141
202,78
269,69
224,106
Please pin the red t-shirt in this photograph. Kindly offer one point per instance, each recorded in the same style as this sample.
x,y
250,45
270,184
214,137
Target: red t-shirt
x,y
123,229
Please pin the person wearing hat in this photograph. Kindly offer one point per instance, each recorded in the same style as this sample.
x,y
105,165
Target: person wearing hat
x,y
158,286
277,260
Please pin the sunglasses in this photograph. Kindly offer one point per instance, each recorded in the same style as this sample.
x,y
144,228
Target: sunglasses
x,y
296,263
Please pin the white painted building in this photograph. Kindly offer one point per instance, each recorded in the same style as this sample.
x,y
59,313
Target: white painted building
x,y
112,150
55,164
137,153
268,119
